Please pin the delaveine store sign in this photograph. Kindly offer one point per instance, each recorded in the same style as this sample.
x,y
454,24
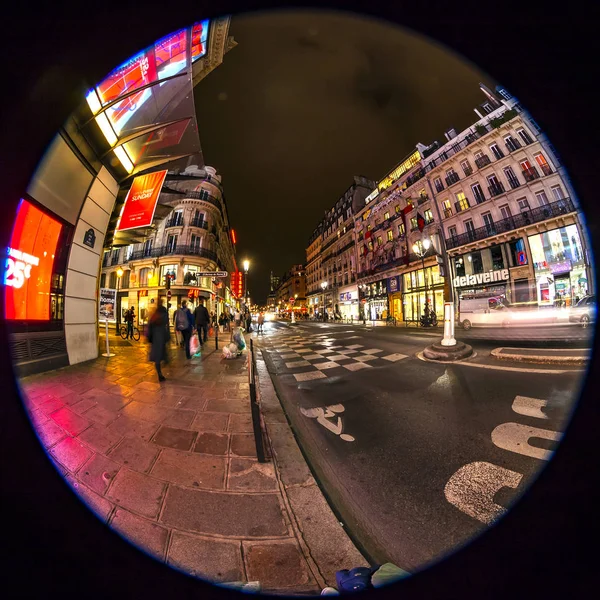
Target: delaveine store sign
x,y
481,278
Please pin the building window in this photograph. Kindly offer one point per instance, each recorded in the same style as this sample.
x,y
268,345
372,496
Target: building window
x,y
462,201
487,108
523,203
370,245
439,186
524,136
447,209
558,192
398,209
143,276
171,244
476,262
452,231
379,240
517,252
195,244
413,224
428,216
497,258
478,193
386,216
466,167
542,198
543,164
511,143
498,154
390,235
488,223
459,267
401,230
113,280
125,279
369,227
511,178
103,280
470,229
147,247
505,211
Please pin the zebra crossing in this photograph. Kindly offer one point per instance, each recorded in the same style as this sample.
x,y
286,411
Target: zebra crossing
x,y
320,355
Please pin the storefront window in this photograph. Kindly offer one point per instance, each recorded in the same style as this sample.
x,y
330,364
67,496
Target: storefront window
x,y
459,267
497,259
517,251
476,262
170,269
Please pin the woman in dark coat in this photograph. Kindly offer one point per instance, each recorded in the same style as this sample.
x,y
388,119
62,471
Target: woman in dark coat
x,y
158,336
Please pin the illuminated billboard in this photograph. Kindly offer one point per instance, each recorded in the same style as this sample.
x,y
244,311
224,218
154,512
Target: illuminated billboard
x,y
199,39
402,168
140,203
29,265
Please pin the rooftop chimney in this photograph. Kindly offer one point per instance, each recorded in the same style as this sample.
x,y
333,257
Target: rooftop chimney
x,y
450,134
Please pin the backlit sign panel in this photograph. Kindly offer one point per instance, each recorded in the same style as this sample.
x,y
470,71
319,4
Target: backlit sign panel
x,y
141,201
29,264
481,278
199,39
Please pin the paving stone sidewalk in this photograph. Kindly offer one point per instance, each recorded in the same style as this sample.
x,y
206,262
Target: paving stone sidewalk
x,y
172,466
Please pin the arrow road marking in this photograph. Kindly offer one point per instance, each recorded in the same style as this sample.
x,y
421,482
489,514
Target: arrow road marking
x,y
473,487
515,438
530,407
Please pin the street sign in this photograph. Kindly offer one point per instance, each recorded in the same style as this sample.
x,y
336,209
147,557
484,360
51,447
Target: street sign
x,y
169,294
213,274
107,304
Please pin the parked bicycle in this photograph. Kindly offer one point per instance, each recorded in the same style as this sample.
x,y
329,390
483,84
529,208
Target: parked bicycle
x,y
429,318
123,333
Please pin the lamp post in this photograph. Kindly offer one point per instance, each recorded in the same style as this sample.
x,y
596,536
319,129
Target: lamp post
x,y
246,265
324,287
421,250
119,275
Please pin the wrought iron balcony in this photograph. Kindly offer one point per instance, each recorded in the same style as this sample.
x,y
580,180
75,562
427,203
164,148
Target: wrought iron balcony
x,y
176,221
512,144
546,170
205,198
525,137
479,198
170,250
422,199
458,207
514,182
482,161
452,178
429,221
496,189
498,154
531,174
201,223
527,217
468,171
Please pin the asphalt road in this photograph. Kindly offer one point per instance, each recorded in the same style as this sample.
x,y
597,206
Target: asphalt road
x,y
416,458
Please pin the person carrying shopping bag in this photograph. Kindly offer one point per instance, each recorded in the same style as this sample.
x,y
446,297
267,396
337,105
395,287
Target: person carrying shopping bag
x,y
202,320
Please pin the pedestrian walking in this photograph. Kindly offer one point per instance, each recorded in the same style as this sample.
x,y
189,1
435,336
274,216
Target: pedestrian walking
x,y
237,318
248,319
261,321
129,317
202,320
184,324
158,336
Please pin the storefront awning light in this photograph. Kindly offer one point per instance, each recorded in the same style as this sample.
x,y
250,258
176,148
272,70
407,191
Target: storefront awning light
x,y
124,158
107,129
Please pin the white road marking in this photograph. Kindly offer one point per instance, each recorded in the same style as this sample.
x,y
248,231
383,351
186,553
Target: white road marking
x,y
297,363
356,366
473,487
355,346
322,416
308,376
515,438
348,352
371,351
324,352
289,355
394,357
313,356
336,347
338,357
326,365
530,407
353,337
365,358
303,351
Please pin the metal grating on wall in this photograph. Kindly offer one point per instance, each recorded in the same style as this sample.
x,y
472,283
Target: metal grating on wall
x,y
26,347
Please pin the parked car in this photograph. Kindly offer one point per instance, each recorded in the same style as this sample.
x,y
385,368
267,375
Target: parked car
x,y
584,312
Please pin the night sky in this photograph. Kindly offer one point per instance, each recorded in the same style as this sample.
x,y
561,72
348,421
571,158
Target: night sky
x,y
305,101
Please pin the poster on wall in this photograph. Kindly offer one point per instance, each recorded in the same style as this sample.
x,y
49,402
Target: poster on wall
x,y
107,304
29,264
141,201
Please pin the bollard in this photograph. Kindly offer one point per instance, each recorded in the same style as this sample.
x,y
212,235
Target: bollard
x,y
448,339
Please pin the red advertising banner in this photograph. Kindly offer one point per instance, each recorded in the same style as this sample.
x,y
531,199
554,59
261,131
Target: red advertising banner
x,y
29,265
141,200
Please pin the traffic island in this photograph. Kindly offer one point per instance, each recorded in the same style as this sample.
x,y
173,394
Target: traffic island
x,y
458,351
555,356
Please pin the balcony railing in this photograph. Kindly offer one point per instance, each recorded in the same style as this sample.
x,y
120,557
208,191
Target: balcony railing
x,y
170,250
468,171
479,198
452,178
546,170
512,144
429,221
458,207
205,198
422,199
201,223
514,183
531,174
527,217
482,161
495,189
498,154
176,221
525,137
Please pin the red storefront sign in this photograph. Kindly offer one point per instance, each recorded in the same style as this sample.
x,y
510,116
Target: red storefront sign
x,y
141,201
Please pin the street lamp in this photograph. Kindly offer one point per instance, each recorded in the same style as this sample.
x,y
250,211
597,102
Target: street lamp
x,y
421,250
324,287
119,275
246,265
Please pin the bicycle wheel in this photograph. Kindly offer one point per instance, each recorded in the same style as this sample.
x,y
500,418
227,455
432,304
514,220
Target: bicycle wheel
x,y
136,334
123,332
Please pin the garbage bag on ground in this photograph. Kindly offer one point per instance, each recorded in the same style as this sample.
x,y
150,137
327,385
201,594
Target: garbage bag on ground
x,y
194,344
238,338
386,574
230,351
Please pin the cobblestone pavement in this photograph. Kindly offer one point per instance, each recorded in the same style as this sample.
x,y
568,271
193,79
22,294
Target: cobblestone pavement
x,y
172,466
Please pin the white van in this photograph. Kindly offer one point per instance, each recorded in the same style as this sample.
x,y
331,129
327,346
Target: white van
x,y
483,311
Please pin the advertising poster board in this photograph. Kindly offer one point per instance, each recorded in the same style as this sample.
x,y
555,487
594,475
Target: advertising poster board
x,y
141,201
29,264
107,304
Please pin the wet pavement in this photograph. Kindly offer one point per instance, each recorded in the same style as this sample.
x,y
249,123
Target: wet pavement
x,y
172,466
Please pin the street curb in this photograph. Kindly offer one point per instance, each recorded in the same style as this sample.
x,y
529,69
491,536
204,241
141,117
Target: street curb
x,y
538,358
459,361
324,574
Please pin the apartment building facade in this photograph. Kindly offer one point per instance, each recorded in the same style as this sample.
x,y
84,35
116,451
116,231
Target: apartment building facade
x,y
193,239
